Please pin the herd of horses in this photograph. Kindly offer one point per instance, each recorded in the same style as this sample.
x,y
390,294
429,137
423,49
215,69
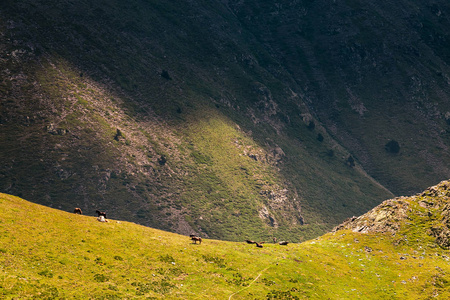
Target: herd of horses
x,y
101,216
260,244
195,238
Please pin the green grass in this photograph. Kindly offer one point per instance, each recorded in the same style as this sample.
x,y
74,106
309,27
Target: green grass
x,y
51,254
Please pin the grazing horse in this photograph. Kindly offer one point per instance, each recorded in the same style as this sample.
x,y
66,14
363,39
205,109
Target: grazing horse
x,y
196,238
101,213
283,243
77,211
259,245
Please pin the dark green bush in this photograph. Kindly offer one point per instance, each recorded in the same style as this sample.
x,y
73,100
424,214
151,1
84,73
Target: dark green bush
x,y
392,146
350,161
165,75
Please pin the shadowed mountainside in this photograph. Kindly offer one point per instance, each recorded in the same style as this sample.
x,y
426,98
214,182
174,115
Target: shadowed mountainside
x,y
372,72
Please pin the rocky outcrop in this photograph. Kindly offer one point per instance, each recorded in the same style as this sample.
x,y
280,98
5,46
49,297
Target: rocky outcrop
x,y
384,218
442,230
52,129
431,207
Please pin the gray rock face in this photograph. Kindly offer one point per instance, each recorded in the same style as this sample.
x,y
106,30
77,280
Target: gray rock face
x,y
52,129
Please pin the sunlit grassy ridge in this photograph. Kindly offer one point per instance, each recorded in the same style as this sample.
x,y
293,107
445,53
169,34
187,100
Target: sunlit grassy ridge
x,y
51,254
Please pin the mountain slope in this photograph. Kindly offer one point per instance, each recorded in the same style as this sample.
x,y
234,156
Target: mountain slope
x,y
47,253
373,73
223,118
118,107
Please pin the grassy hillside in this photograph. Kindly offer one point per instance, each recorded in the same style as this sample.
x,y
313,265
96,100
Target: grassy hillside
x,y
50,254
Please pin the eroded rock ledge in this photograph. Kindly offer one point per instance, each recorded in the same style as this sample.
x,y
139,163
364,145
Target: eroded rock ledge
x,y
432,205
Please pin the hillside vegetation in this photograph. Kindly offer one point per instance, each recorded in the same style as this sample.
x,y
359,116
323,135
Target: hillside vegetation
x,y
51,254
223,118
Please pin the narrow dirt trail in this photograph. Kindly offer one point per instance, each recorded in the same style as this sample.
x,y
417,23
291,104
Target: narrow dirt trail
x,y
254,280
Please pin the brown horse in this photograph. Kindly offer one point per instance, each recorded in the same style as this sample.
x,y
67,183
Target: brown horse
x,y
77,211
196,238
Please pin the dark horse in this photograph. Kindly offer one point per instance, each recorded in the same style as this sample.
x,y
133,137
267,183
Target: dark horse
x,y
101,213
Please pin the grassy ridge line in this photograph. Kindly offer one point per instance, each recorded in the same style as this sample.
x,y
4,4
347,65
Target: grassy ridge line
x,y
46,253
